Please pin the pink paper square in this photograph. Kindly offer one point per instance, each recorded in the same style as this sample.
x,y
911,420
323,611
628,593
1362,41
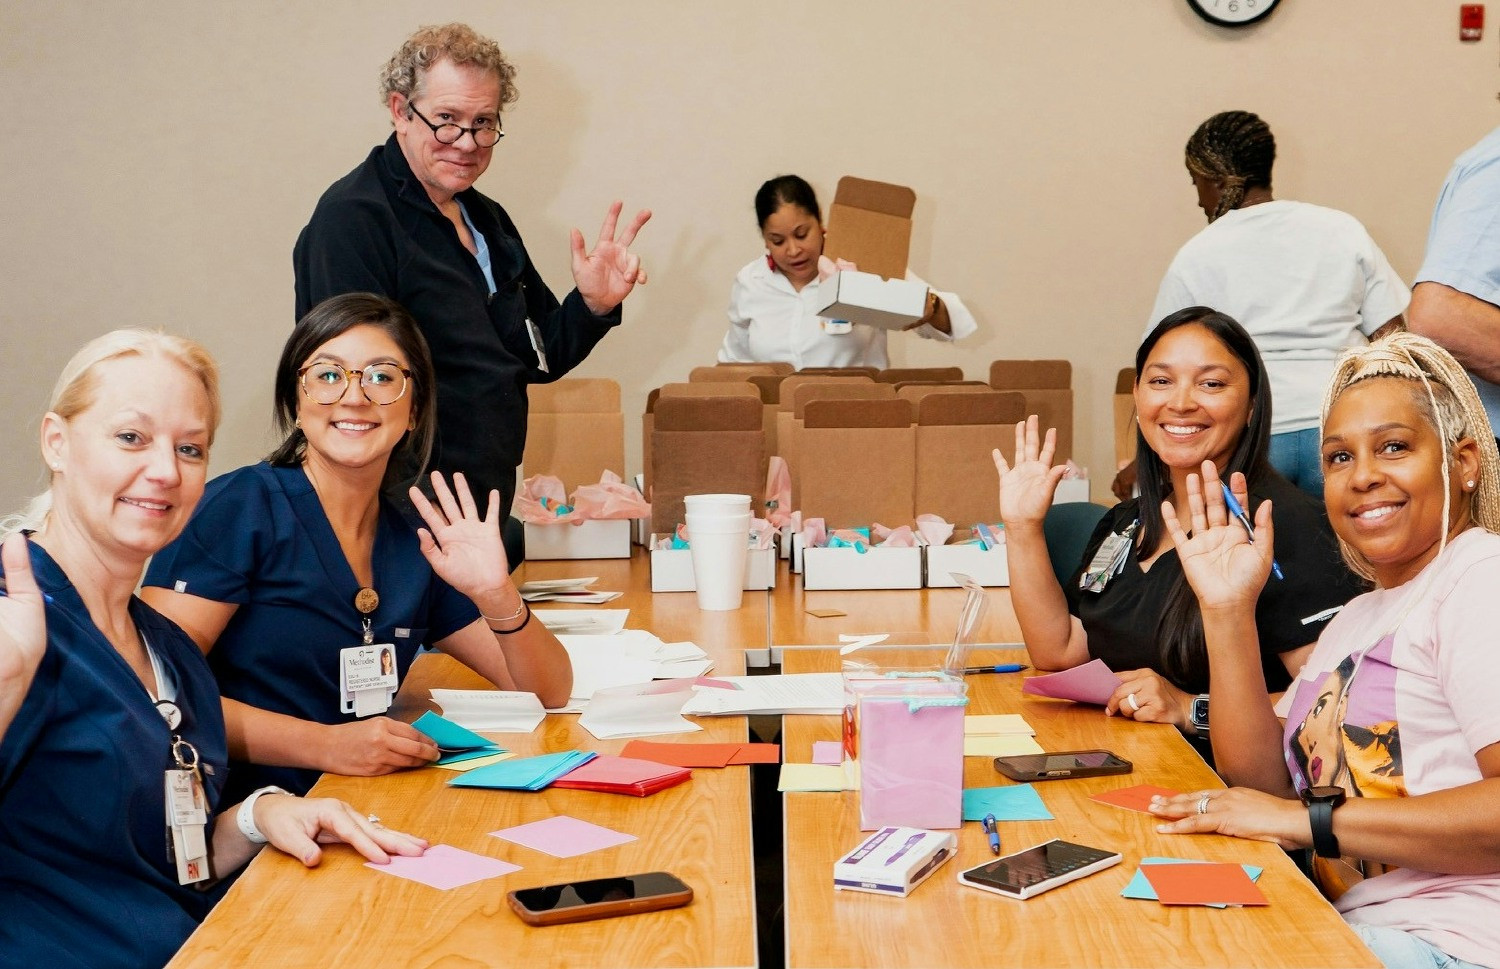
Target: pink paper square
x,y
829,753
445,867
563,837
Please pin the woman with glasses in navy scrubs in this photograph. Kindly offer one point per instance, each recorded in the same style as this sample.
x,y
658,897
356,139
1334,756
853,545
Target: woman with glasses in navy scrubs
x,y
297,573
113,760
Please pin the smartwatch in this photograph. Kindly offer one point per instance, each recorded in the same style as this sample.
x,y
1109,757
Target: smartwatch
x,y
1199,714
1320,803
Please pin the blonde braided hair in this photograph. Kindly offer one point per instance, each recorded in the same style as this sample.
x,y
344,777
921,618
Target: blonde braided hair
x,y
1453,408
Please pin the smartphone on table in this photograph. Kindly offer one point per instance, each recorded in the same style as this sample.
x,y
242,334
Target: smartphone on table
x,y
1063,763
1038,869
599,898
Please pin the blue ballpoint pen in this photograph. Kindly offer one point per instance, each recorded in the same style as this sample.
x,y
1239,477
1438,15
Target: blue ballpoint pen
x,y
1239,513
989,829
998,668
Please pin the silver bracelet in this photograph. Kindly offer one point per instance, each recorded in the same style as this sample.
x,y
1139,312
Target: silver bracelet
x,y
513,616
245,816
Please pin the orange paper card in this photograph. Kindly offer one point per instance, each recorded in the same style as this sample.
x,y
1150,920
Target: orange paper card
x,y
1136,798
1209,884
683,755
757,754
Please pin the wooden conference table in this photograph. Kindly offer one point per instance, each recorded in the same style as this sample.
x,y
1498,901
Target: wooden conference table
x,y
343,914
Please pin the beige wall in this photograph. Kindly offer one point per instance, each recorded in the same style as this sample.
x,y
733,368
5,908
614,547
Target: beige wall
x,y
159,159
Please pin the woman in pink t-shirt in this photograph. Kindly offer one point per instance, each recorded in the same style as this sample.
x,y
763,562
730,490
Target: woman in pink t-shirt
x,y
1384,756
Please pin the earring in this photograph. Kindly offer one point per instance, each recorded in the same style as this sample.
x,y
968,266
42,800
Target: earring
x,y
412,426
297,423
1469,485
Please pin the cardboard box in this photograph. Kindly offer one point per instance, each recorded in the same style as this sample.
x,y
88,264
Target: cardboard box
x,y
989,567
1071,489
893,861
1124,408
887,304
1048,388
847,568
786,414
672,569
901,375
870,225
705,445
575,430
602,539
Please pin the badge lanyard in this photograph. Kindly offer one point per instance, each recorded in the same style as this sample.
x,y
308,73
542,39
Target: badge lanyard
x,y
365,686
186,802
1109,560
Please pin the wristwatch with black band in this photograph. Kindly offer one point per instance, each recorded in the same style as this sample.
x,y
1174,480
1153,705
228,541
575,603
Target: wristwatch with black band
x,y
1320,803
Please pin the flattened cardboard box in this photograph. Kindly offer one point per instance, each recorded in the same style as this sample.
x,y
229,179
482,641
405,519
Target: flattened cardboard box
x,y
575,430
705,445
871,227
956,432
1047,386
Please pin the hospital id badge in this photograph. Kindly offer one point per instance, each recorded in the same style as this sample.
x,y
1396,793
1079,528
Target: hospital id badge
x,y
187,817
367,678
1108,560
836,327
535,333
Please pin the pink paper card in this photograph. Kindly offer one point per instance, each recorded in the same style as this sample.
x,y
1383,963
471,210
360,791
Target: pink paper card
x,y
682,755
445,867
563,837
1136,798
828,752
1208,884
1093,682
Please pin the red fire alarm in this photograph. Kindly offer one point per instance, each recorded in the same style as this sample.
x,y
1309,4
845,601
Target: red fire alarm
x,y
1470,21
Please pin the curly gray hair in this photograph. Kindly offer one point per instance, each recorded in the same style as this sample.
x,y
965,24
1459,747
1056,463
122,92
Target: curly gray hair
x,y
459,43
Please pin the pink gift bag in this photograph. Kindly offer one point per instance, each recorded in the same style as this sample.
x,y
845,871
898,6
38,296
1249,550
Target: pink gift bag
x,y
908,734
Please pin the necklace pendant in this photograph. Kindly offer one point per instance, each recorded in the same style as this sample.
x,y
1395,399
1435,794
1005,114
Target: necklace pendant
x,y
366,600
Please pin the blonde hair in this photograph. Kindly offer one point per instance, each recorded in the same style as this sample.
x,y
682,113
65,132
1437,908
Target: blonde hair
x,y
78,386
1452,405
459,43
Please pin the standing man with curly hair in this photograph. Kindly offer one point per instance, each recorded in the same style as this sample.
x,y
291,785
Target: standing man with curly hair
x,y
408,224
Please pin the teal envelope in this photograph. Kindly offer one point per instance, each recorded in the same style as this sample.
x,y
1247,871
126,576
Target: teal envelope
x,y
524,773
455,743
1015,802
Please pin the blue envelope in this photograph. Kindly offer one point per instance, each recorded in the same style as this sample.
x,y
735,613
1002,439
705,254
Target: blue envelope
x,y
455,743
524,773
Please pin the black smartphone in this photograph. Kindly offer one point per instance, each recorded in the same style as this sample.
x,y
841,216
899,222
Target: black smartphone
x,y
1038,869
1063,763
599,898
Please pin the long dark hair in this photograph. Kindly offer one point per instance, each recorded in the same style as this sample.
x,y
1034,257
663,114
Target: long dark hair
x,y
1236,149
1180,631
332,318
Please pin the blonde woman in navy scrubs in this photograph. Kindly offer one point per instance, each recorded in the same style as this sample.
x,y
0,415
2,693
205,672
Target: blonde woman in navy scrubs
x,y
296,573
121,707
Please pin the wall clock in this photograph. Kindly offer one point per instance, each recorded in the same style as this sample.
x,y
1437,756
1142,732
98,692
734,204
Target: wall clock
x,y
1233,13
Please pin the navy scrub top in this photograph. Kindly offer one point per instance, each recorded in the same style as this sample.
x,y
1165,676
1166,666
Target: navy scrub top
x,y
260,539
85,875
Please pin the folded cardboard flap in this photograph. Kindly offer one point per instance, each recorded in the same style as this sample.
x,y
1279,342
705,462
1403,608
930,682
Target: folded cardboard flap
x,y
701,389
860,462
704,444
769,386
1031,374
983,407
916,390
1047,385
890,412
737,371
897,375
787,417
807,393
575,430
870,225
955,435
1124,412
838,372
789,385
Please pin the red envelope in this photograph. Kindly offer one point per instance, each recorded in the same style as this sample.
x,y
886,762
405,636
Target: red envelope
x,y
1207,884
623,775
1136,798
682,755
757,754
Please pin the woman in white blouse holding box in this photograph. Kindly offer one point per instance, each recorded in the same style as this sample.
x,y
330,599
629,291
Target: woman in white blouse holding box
x,y
773,305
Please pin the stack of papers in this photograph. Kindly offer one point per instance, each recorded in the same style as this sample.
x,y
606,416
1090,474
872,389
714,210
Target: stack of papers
x,y
784,693
999,735
583,622
454,742
524,773
500,711
565,590
627,658
623,775
640,710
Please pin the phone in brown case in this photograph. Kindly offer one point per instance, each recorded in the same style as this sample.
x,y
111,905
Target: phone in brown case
x,y
599,898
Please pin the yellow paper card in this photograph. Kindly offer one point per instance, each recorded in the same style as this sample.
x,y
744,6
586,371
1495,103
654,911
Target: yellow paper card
x,y
813,777
991,723
464,765
1001,745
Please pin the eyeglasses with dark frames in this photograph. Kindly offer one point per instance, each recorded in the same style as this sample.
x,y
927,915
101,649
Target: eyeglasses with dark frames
x,y
381,383
449,133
